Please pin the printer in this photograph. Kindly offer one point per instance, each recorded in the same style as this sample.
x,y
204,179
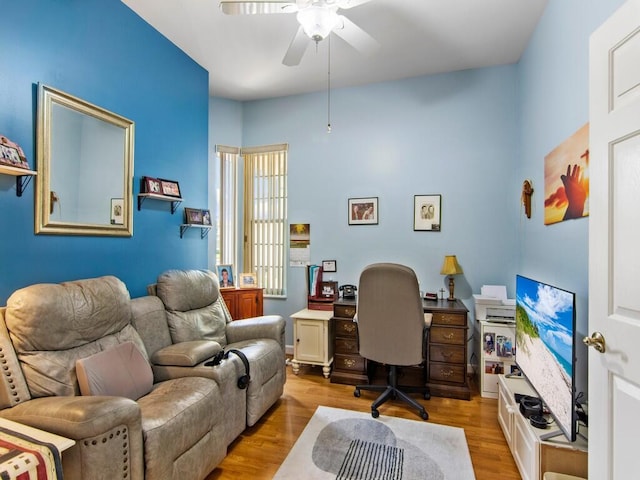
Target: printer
x,y
493,305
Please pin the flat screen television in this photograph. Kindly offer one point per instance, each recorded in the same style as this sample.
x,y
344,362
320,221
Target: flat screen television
x,y
545,347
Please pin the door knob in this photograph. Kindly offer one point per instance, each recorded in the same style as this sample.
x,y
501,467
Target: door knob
x,y
596,340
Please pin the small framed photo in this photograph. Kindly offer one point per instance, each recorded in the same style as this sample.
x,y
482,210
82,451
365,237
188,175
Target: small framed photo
x,y
169,188
329,266
426,213
363,211
206,217
193,216
151,185
11,154
117,211
225,275
329,289
248,280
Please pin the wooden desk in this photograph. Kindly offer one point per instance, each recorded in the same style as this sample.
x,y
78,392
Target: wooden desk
x,y
447,350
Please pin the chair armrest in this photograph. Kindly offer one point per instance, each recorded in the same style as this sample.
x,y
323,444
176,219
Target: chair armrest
x,y
267,326
186,354
76,417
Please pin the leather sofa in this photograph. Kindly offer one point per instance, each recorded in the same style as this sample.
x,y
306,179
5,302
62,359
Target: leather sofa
x,y
184,311
175,424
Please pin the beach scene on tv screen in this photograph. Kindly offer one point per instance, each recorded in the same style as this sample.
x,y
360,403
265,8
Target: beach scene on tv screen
x,y
544,344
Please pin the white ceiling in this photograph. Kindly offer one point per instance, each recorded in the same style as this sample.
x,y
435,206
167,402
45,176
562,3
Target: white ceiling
x,y
243,53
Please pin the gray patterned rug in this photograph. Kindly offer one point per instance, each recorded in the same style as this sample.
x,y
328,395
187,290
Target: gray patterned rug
x,y
346,445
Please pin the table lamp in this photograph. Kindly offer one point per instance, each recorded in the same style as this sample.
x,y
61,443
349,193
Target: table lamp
x,y
451,267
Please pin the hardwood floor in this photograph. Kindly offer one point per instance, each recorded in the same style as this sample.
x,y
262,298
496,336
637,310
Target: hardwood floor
x,y
260,450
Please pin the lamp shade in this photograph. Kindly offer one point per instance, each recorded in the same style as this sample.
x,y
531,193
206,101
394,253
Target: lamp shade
x,y
318,21
451,266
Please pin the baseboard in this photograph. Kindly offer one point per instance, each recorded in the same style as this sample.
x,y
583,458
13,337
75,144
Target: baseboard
x,y
288,350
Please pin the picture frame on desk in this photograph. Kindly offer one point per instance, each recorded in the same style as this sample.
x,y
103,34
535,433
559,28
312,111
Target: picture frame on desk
x,y
329,290
427,213
225,276
248,280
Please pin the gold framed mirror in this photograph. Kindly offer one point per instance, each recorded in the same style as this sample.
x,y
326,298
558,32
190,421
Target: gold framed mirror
x,y
85,168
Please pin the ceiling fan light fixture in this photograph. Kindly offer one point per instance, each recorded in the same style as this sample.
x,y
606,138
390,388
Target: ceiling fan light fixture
x,y
318,21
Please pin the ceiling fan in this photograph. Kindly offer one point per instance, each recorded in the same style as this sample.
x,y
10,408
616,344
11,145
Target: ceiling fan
x,y
317,18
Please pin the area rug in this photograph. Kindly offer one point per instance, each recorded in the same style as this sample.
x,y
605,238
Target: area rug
x,y
345,445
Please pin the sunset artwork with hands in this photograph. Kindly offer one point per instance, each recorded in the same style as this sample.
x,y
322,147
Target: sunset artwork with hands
x,y
566,179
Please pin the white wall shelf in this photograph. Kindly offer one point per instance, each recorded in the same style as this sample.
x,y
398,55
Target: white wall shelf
x,y
204,229
174,201
23,177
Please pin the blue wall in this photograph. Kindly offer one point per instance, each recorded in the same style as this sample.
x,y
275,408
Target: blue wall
x,y
454,134
101,51
553,93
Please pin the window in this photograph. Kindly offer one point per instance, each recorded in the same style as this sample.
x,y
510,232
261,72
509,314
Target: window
x,y
227,205
265,215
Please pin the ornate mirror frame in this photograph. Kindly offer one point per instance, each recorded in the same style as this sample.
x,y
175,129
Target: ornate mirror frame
x,y
85,168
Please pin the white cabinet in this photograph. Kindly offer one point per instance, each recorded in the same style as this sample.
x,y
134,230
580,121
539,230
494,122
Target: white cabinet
x,y
497,354
534,456
311,334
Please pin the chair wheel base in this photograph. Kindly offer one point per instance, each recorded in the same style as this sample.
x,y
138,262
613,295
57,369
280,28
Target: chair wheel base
x,y
424,415
356,393
375,413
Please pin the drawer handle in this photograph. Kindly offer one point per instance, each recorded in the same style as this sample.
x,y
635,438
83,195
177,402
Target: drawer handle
x,y
349,328
350,312
448,336
446,355
350,345
349,363
446,373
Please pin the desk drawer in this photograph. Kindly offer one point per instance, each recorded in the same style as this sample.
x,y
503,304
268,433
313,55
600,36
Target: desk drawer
x,y
457,319
446,353
344,311
346,345
446,372
453,336
353,363
346,328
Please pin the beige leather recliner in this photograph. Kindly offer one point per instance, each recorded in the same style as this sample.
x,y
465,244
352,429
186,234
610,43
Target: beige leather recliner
x,y
176,431
195,314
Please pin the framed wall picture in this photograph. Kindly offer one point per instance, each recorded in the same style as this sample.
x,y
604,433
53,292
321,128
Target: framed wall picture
x,y
117,211
169,188
225,275
151,185
363,211
329,266
193,216
426,213
247,280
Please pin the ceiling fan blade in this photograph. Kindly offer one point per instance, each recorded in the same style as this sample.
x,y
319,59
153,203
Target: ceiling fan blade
x,y
296,49
344,4
356,37
241,7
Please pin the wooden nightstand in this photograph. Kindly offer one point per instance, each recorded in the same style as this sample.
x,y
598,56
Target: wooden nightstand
x,y
311,334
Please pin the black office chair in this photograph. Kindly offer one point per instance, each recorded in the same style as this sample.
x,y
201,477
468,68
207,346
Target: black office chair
x,y
391,326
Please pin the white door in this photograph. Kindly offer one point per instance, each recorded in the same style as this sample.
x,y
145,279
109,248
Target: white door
x,y
614,246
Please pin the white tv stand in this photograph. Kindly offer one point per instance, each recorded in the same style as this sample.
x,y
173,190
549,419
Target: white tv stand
x,y
533,455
